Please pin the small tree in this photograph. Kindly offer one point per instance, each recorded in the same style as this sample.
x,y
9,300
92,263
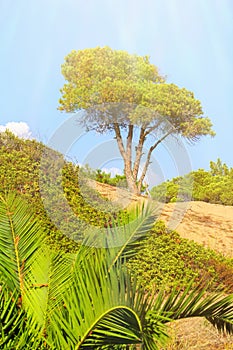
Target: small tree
x,y
123,93
218,168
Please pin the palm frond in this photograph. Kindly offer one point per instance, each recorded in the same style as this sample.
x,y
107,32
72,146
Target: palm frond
x,y
20,238
11,317
120,326
124,241
96,299
193,302
48,280
16,330
134,232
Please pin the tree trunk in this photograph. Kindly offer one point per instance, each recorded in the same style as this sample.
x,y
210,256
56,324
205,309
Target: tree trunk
x,y
140,182
132,185
139,148
126,153
131,168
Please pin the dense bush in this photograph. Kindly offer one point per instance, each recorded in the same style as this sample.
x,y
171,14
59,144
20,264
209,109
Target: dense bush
x,y
32,169
167,259
213,186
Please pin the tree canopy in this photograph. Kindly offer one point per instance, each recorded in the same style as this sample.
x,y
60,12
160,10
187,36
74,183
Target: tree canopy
x,y
121,92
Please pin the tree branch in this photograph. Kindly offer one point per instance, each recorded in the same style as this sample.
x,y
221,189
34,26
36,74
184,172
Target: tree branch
x,y
129,146
126,155
139,148
152,128
119,140
148,158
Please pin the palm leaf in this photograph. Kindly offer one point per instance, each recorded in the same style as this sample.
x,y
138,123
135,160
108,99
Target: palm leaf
x,y
10,317
97,299
16,331
191,302
113,328
124,241
20,238
50,277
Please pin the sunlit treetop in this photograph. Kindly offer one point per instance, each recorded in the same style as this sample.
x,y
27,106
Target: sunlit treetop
x,y
101,75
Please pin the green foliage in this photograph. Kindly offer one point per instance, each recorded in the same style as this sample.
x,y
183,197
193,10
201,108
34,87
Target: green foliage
x,y
23,241
166,259
14,330
51,299
103,177
30,168
124,94
117,180
101,75
73,301
214,186
218,168
87,299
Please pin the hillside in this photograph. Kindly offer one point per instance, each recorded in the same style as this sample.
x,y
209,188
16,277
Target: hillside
x,y
51,185
205,223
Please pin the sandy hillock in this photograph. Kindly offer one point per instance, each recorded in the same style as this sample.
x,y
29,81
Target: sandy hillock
x,y
205,223
208,224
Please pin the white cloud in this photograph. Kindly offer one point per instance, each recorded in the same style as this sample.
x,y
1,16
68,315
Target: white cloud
x,y
113,171
20,129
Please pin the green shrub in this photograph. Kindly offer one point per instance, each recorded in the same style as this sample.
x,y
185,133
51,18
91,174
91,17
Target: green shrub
x,y
213,186
167,259
30,168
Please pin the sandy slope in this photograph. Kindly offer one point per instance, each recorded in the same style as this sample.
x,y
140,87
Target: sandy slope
x,y
209,224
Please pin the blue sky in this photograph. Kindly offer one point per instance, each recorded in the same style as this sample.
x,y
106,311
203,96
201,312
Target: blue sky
x,y
189,40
